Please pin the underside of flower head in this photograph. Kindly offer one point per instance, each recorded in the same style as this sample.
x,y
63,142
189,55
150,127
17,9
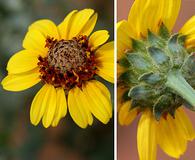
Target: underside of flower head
x,y
160,72
156,76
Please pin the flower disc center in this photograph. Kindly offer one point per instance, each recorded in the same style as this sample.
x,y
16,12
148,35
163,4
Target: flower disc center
x,y
69,63
66,55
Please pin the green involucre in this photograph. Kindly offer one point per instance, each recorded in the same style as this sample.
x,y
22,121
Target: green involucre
x,y
150,73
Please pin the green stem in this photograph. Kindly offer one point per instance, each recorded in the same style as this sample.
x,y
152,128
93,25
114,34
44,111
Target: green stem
x,y
176,81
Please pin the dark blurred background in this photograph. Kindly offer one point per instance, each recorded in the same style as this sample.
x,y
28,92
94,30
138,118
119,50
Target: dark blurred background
x,y
19,140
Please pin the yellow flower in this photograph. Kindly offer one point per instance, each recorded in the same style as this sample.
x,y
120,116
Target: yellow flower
x,y
152,75
66,59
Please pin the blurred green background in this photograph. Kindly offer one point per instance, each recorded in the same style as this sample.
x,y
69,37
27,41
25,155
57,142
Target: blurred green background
x,y
19,140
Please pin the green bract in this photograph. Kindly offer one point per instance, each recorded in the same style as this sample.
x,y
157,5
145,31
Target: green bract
x,y
160,73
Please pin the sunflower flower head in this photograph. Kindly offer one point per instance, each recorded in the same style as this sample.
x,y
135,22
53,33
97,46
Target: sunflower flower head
x,y
156,77
67,59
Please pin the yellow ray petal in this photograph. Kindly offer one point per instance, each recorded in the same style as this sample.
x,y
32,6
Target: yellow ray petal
x,y
103,89
190,41
184,124
124,35
149,14
50,107
98,38
135,16
146,137
105,61
84,105
88,28
61,106
38,105
22,61
106,74
172,143
46,27
34,40
77,113
106,51
145,15
80,20
99,104
103,93
64,27
126,116
170,11
189,30
22,81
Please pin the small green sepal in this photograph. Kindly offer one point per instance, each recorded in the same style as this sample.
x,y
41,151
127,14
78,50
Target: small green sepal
x,y
188,68
138,62
142,93
177,52
138,45
164,32
128,78
124,62
162,106
151,78
155,40
182,40
160,58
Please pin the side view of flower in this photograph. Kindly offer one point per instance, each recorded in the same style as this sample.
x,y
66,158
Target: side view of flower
x,y
156,73
67,59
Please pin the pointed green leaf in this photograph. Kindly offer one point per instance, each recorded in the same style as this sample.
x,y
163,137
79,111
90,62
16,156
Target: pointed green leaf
x,y
177,52
160,58
164,32
155,40
142,93
161,106
182,39
124,62
176,102
188,68
151,78
138,62
128,77
173,43
138,45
